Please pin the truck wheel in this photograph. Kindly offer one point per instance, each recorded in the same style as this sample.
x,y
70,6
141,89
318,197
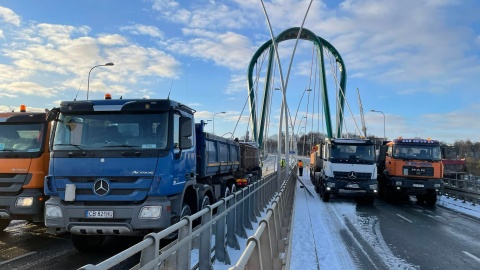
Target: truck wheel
x,y
324,195
431,199
186,211
4,224
420,198
87,243
205,201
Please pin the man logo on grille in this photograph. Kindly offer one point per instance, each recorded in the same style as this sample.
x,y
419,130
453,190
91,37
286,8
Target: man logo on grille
x,y
352,175
101,187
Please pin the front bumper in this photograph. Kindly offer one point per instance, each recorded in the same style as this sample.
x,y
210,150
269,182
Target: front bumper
x,y
351,188
34,212
414,186
125,219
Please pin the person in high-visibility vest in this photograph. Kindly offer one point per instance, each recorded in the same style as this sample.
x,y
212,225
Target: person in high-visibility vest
x,y
282,163
300,167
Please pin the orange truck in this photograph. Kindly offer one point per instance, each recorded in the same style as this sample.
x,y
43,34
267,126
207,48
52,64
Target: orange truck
x,y
410,167
24,158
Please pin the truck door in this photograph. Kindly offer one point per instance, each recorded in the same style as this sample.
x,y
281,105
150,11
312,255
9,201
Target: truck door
x,y
183,164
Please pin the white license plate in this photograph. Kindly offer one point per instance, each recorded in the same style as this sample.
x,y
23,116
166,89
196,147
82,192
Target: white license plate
x,y
99,214
418,185
353,186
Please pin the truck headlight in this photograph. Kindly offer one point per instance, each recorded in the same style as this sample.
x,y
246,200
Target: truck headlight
x,y
398,183
53,211
150,212
373,187
24,201
330,184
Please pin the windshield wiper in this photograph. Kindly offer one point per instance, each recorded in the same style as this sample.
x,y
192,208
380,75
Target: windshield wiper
x,y
121,145
68,144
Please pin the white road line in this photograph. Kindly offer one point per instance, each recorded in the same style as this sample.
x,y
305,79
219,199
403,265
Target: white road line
x,y
404,218
471,256
25,255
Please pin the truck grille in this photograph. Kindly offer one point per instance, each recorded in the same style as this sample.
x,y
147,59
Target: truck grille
x,y
116,179
346,176
418,171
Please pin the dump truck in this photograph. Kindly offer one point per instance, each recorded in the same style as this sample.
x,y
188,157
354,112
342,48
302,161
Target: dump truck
x,y
24,157
123,167
347,168
410,167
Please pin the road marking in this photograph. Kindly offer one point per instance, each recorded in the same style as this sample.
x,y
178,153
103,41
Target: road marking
x,y
471,256
25,255
404,218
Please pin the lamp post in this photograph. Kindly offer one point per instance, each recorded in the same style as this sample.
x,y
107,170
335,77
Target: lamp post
x,y
214,121
384,138
88,81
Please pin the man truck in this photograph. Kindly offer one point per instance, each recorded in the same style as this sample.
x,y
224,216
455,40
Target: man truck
x,y
410,167
24,157
345,167
133,166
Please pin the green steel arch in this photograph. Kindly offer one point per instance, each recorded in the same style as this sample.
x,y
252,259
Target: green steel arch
x,y
320,43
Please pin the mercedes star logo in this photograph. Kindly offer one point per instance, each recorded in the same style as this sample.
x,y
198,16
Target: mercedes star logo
x,y
352,175
101,187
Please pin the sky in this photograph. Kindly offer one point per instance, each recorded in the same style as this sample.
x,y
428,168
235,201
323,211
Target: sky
x,y
415,61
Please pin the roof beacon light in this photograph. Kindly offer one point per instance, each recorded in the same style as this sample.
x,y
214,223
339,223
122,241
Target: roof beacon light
x,y
23,108
108,96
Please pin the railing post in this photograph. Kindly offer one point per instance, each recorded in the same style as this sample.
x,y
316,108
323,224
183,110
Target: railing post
x,y
239,215
149,253
221,253
232,240
204,252
183,255
247,205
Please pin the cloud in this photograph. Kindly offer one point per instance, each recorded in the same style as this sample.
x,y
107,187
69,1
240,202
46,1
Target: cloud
x,y
210,15
8,16
140,29
27,88
228,49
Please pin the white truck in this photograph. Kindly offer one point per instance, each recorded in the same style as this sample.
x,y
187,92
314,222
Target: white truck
x,y
347,168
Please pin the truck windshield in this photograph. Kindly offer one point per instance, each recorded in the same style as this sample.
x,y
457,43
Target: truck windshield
x,y
109,130
419,152
360,153
21,137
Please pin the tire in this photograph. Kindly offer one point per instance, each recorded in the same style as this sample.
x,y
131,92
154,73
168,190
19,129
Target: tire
x,y
4,223
205,202
87,243
324,194
431,199
420,198
186,211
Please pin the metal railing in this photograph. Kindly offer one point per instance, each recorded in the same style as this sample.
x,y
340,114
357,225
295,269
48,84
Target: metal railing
x,y
462,189
226,219
267,248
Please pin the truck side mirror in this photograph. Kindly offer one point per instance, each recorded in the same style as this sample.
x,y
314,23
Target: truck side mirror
x,y
186,132
52,114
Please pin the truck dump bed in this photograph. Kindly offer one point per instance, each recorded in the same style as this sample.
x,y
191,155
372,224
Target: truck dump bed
x,y
215,155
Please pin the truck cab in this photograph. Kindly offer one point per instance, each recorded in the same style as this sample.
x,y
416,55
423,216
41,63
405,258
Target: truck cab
x,y
24,156
119,167
410,167
347,169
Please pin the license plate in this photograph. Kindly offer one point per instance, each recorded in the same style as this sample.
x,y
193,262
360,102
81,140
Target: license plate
x,y
99,214
418,185
353,186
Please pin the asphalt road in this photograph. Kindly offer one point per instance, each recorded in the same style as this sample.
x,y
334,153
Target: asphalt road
x,y
401,235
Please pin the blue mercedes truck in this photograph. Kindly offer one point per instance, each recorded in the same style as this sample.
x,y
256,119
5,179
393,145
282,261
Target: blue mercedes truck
x,y
131,167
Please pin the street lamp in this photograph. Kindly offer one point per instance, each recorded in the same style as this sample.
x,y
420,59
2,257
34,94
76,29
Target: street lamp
x,y
384,138
295,119
88,81
214,121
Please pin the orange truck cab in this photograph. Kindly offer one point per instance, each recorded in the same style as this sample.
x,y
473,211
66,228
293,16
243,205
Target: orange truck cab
x,y
24,158
410,167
